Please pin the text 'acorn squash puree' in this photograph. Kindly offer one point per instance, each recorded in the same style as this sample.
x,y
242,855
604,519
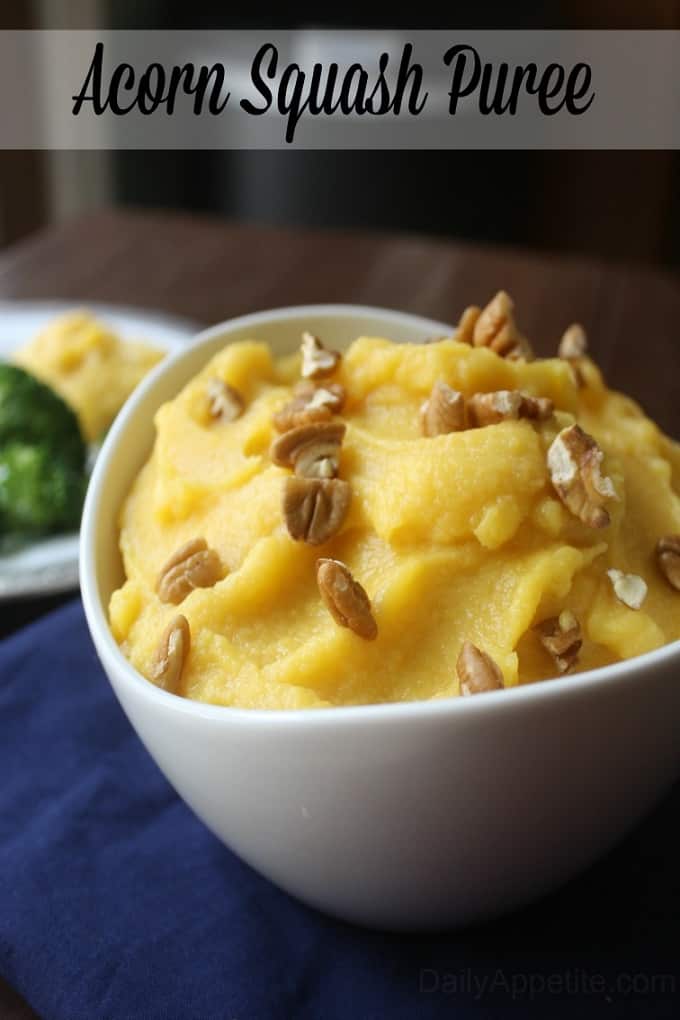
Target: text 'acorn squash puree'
x,y
482,518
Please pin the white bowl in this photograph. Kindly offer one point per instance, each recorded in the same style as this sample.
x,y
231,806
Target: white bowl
x,y
418,815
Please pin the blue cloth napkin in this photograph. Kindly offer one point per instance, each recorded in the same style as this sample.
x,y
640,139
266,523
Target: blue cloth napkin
x,y
116,903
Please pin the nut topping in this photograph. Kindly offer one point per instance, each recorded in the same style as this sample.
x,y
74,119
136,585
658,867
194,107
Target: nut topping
x,y
310,404
194,565
171,654
561,637
346,600
477,671
443,411
466,326
574,343
492,408
496,329
628,588
317,360
668,558
224,402
536,408
314,509
313,451
507,405
573,348
574,460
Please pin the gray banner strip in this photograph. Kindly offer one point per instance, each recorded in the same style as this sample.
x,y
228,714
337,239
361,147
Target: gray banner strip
x,y
383,89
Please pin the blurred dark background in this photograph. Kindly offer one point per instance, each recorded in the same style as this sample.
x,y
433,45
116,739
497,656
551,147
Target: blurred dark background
x,y
620,205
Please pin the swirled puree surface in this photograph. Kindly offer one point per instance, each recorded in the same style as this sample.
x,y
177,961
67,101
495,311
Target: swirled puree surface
x,y
413,521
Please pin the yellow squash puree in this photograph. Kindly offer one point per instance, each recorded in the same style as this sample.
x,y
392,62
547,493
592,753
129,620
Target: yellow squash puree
x,y
88,366
454,537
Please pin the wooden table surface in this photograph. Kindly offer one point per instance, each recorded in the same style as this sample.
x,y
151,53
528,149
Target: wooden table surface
x,y
208,270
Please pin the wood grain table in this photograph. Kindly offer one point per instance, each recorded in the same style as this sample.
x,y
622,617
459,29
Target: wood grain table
x,y
208,270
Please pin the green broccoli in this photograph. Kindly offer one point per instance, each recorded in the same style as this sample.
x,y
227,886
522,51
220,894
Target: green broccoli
x,y
39,490
42,458
31,412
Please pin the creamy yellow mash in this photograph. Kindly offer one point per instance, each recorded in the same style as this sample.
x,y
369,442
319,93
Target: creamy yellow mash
x,y
461,536
89,366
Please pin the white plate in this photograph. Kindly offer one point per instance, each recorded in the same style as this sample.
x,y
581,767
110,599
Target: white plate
x,y
50,565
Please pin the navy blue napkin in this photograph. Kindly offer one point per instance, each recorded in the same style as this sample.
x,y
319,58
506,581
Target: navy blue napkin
x,y
116,903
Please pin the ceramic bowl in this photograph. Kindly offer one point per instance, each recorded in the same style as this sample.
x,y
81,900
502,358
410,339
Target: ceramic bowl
x,y
402,816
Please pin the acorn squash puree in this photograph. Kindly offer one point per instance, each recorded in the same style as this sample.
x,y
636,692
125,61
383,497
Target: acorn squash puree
x,y
455,537
89,366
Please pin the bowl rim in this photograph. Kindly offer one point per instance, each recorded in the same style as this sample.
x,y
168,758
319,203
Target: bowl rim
x,y
115,663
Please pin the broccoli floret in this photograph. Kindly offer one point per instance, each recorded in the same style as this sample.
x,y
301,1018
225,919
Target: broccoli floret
x,y
31,412
39,490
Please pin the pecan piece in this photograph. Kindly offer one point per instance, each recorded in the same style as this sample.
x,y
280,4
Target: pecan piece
x,y
317,360
477,671
668,559
492,408
496,329
225,403
345,599
193,565
443,411
574,460
628,588
561,637
313,451
536,408
310,404
171,655
508,405
573,348
574,343
466,326
314,509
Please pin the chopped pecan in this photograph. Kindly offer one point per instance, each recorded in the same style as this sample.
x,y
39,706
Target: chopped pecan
x,y
477,671
561,637
492,408
496,329
314,509
507,405
465,329
194,565
345,598
310,404
628,588
574,343
224,402
573,348
313,451
317,360
574,460
443,411
536,408
668,558
171,655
